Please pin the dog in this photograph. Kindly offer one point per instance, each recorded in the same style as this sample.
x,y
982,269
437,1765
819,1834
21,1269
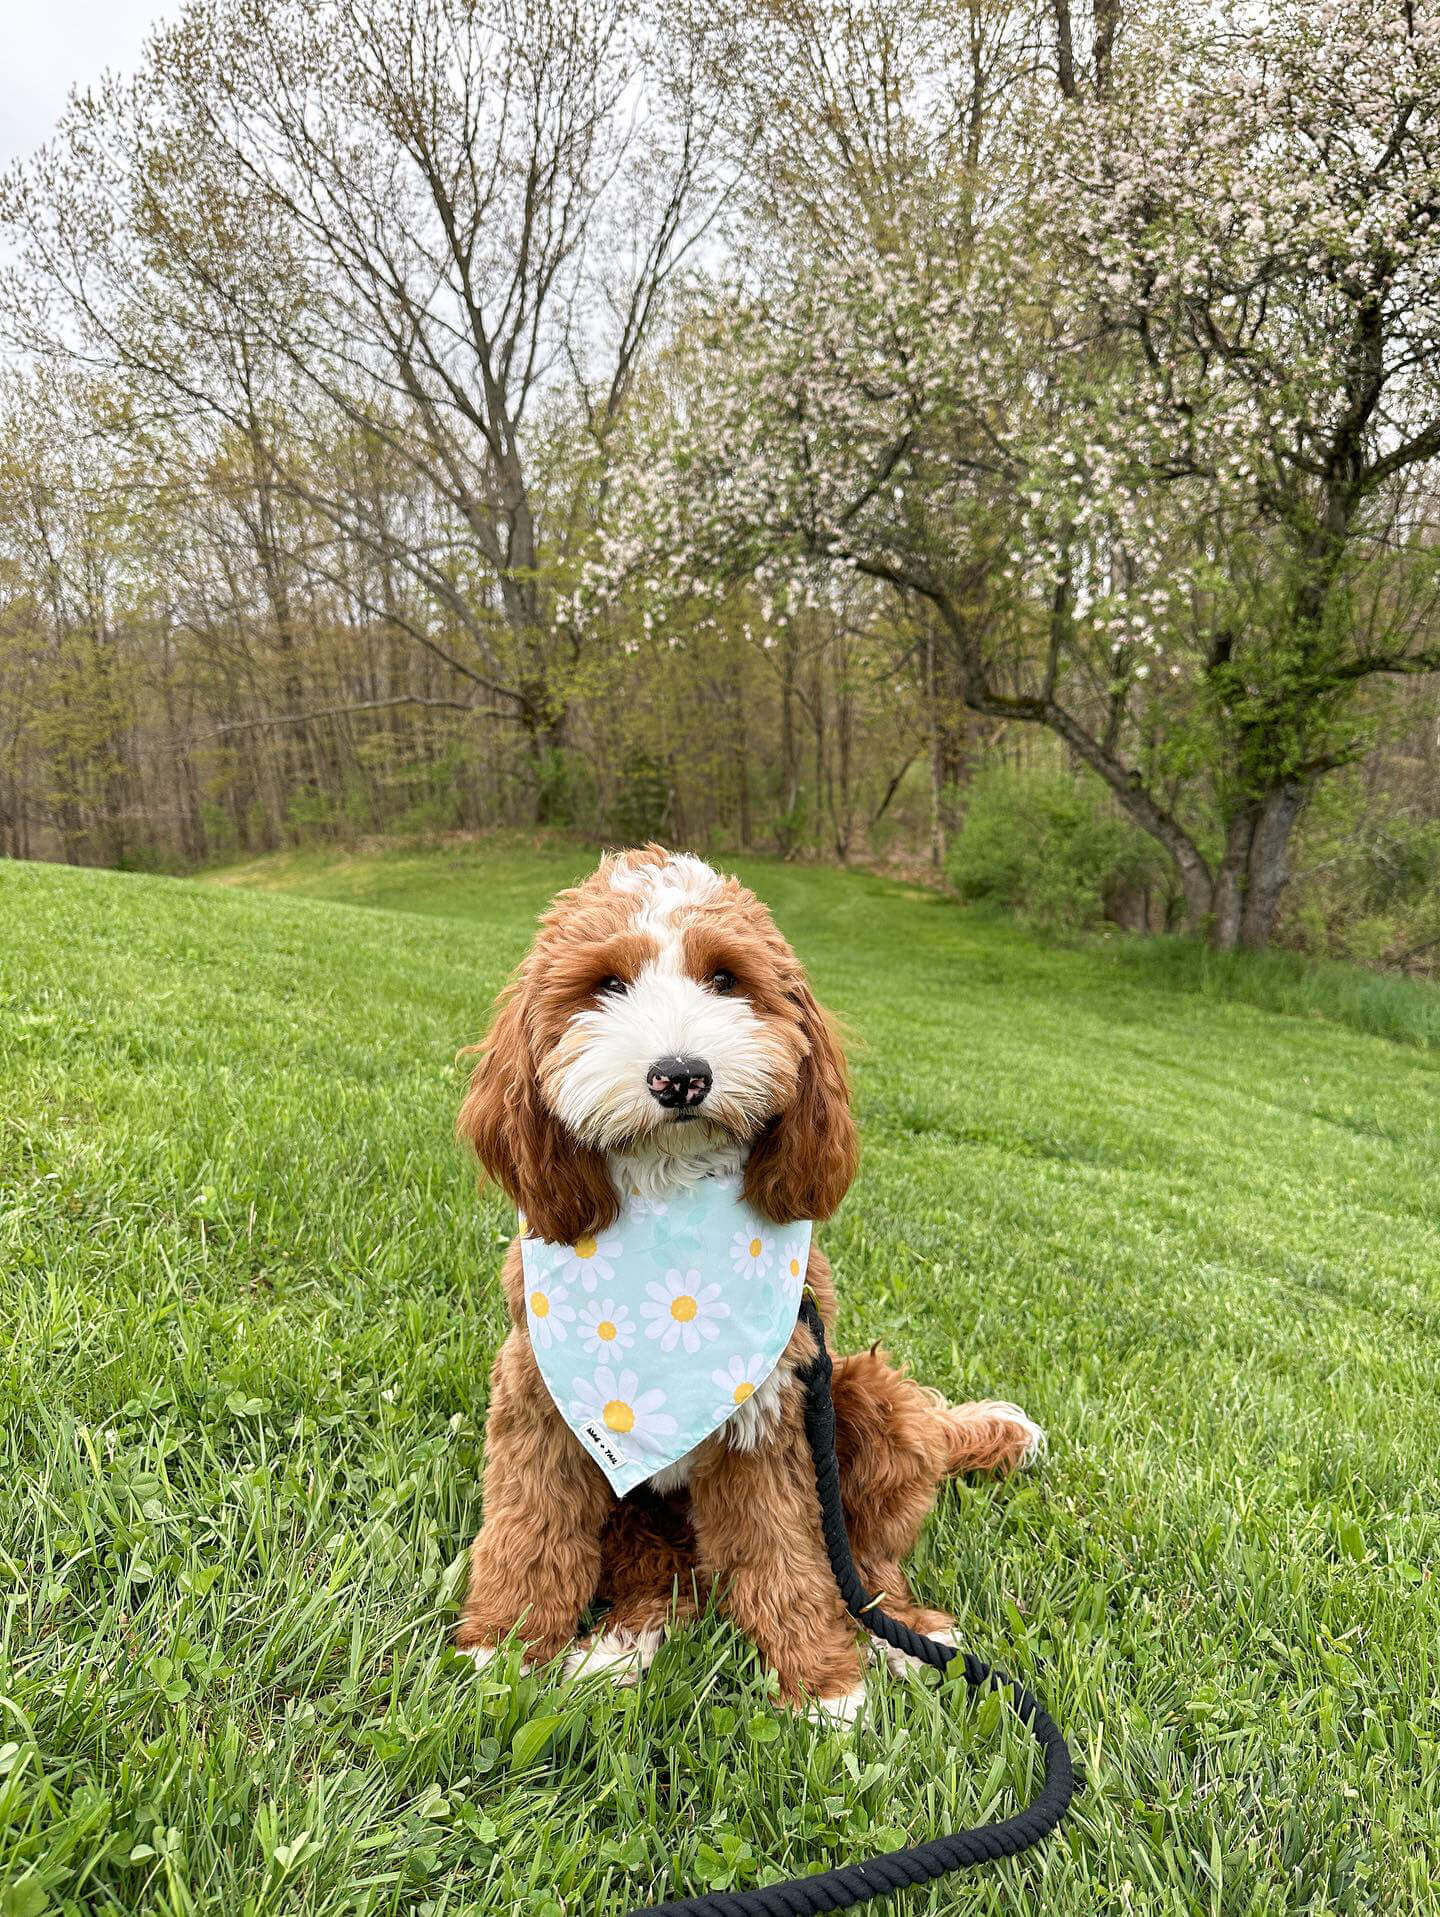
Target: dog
x,y
661,1033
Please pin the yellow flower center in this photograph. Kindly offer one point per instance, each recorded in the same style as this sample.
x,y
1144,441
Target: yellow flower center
x,y
794,1267
683,1308
619,1416
743,1391
539,1304
584,1247
605,1330
755,1247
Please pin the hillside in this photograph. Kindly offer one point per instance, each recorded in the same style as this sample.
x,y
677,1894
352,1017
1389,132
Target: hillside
x,y
247,1307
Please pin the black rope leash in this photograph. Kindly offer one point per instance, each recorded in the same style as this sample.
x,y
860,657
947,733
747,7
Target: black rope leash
x,y
896,1869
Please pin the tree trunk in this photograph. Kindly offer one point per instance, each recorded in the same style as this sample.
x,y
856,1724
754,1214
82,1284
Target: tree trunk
x,y
742,752
545,739
1269,868
1124,781
842,814
787,828
817,715
937,755
1255,870
1227,904
1064,49
1107,19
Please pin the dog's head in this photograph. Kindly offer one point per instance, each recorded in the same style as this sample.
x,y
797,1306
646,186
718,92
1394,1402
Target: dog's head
x,y
659,1011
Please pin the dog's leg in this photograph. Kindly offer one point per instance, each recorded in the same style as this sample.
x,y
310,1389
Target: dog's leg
x,y
647,1577
894,1447
990,1435
535,1564
896,1442
889,1584
758,1533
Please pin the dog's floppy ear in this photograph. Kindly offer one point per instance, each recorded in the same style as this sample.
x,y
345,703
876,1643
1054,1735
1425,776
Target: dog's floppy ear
x,y
561,1186
803,1162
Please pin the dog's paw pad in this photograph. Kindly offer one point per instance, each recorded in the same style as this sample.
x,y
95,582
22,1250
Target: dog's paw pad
x,y
622,1656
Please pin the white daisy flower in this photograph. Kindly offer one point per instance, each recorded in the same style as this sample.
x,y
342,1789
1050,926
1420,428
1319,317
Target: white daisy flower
x,y
739,1380
587,1261
605,1328
616,1402
683,1311
548,1313
750,1253
792,1259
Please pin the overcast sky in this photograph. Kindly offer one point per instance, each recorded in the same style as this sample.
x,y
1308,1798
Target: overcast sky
x,y
50,46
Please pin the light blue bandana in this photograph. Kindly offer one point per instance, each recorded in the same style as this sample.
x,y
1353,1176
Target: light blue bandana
x,y
652,1334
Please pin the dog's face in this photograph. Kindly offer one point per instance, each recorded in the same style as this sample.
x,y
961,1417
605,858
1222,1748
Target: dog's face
x,y
659,1011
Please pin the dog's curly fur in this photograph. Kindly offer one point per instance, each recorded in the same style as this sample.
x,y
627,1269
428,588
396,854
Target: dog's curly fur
x,y
557,1111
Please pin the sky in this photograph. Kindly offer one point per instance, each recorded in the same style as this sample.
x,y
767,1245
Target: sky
x,y
51,46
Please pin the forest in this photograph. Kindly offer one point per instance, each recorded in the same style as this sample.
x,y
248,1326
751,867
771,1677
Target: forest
x,y
999,440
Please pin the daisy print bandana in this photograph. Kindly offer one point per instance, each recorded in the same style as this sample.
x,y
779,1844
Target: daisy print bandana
x,y
655,1331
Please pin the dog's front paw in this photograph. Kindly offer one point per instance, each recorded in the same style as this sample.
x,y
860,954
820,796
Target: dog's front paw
x,y
482,1656
901,1664
620,1655
836,1713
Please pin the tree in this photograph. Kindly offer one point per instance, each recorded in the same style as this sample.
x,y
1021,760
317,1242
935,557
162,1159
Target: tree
x,y
63,624
451,227
1138,433
1259,215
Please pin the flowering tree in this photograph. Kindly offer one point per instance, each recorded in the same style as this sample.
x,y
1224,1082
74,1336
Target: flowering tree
x,y
1140,436
1259,218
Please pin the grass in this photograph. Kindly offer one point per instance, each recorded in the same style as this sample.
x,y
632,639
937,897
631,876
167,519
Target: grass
x,y
248,1307
1387,1006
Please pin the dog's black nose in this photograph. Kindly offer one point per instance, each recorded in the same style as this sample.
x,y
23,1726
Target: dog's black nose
x,y
679,1084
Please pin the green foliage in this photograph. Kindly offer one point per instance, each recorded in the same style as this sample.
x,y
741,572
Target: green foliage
x,y
427,816
642,803
142,857
1370,889
248,1304
217,823
565,788
310,813
790,823
433,787
1048,848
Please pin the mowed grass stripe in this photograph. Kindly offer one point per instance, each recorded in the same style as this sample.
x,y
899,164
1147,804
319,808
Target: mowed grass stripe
x,y
249,1307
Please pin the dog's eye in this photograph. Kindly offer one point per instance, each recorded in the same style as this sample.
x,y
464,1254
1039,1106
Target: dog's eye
x,y
722,981
610,987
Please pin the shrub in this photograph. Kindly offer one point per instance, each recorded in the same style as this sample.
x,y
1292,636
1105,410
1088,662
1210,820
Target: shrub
x,y
565,793
642,801
1048,848
1368,888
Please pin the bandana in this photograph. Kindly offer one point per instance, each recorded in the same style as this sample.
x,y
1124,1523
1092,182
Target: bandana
x,y
651,1334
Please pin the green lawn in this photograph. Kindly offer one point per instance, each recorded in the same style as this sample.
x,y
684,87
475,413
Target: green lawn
x,y
248,1305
